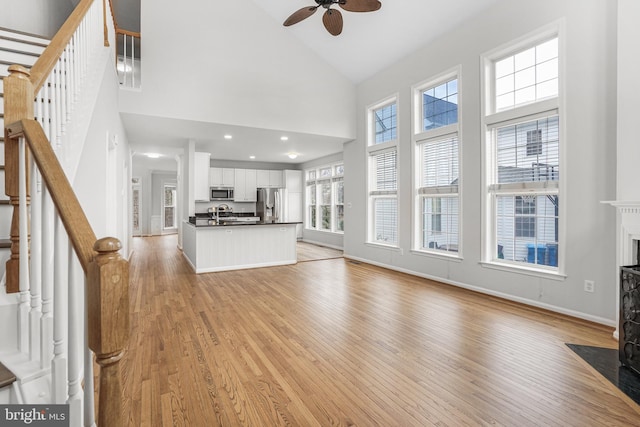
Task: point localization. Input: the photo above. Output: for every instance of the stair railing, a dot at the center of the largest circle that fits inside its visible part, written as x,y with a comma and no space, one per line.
42,266
127,45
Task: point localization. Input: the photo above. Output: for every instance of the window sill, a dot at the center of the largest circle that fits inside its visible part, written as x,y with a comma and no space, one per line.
339,233
383,246
529,271
448,256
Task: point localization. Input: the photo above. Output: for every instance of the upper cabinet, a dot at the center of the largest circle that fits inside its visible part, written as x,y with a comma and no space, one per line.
246,185
222,177
201,168
269,178
293,181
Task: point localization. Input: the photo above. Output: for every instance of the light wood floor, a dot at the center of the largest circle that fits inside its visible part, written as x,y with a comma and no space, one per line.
310,252
338,343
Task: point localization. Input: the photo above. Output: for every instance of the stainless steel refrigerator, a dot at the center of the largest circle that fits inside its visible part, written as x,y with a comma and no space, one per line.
270,205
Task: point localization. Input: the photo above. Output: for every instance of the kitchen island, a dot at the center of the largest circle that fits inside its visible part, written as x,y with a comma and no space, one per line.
210,248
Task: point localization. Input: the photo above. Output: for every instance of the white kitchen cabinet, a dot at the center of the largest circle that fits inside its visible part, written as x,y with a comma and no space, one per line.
275,179
293,181
293,198
245,188
222,177
269,178
262,178
201,168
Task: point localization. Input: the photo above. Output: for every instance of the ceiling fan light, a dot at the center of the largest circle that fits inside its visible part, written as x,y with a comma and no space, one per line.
292,155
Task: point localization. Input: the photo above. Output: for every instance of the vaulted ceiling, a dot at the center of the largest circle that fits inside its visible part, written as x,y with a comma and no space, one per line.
369,43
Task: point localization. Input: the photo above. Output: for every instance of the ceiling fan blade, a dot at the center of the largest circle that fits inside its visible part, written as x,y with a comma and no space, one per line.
360,5
299,15
332,20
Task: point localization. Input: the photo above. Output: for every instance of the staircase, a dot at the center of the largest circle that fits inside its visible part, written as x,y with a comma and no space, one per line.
64,294
23,49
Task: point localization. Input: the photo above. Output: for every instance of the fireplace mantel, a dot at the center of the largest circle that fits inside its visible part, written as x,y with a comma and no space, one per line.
627,231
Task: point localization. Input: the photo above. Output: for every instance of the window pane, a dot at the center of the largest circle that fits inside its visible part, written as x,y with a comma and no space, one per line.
385,212
440,223
440,163
339,217
529,151
504,67
440,105
326,217
527,229
547,50
385,123
529,69
385,170
169,218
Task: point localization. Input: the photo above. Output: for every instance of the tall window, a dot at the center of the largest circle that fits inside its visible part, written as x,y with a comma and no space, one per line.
383,173
325,198
169,202
523,154
338,193
438,170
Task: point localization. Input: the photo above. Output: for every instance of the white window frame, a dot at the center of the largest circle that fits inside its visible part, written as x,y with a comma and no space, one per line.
421,137
491,121
314,185
372,150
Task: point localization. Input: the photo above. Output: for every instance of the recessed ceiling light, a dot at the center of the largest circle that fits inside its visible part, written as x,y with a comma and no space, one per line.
227,136
284,138
153,155
252,157
292,155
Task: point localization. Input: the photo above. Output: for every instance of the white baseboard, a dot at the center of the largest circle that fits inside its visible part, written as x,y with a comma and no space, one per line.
525,301
326,245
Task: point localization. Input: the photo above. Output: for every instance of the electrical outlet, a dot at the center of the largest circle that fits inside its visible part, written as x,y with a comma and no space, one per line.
589,286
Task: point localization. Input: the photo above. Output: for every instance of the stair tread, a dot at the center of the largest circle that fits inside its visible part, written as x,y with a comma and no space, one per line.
29,42
6,376
5,243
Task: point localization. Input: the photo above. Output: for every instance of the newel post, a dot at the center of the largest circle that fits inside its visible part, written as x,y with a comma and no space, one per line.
108,322
18,105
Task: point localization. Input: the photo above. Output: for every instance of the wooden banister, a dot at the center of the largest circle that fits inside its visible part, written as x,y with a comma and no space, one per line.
43,66
128,33
107,285
71,214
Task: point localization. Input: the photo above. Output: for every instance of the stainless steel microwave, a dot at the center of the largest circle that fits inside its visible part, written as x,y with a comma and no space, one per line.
221,193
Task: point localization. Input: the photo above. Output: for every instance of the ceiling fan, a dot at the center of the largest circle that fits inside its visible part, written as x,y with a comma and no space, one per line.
332,18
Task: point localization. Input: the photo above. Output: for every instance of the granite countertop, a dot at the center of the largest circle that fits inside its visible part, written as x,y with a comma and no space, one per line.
240,224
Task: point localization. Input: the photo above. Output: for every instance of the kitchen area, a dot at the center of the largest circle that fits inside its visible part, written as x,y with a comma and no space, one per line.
244,218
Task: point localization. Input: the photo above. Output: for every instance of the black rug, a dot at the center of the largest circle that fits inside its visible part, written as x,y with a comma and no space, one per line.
605,361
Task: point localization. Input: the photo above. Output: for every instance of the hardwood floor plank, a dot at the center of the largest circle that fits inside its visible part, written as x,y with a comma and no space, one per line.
337,343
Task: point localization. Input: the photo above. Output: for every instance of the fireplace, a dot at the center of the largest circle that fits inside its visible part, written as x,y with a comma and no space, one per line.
629,328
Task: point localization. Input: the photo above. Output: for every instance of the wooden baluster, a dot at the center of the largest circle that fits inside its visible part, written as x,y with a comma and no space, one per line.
18,98
108,299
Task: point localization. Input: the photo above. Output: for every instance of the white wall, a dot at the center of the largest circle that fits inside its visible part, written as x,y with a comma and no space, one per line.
41,17
590,167
240,68
628,183
90,180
